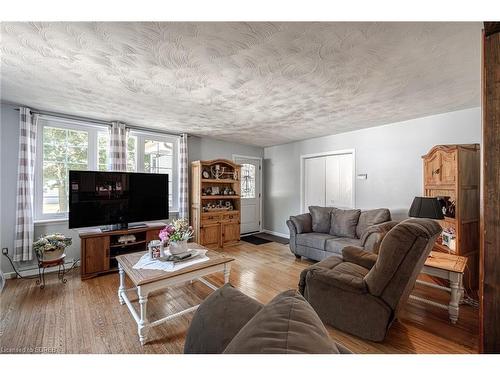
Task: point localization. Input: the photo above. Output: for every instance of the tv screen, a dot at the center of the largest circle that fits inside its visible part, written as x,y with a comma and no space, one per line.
111,198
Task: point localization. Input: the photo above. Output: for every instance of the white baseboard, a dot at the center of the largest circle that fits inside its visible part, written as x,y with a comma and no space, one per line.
278,234
34,270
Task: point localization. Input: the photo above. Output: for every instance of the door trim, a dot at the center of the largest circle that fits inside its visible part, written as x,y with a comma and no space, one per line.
303,158
235,156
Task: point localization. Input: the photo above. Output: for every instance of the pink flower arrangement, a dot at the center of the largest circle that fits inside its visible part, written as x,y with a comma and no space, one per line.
178,230
166,232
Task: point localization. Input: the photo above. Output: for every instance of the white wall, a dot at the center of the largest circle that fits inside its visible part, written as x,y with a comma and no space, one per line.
208,148
199,148
389,154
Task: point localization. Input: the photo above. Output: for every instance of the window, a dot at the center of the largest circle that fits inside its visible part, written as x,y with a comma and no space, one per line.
63,149
158,154
65,145
247,181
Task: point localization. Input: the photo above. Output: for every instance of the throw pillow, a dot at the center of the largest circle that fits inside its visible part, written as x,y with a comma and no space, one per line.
320,218
211,330
344,222
288,324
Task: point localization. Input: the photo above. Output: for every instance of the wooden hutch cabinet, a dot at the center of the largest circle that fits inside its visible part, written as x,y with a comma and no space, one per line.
453,171
215,202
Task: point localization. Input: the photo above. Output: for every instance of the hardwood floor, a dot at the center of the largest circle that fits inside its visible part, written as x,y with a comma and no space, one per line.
85,316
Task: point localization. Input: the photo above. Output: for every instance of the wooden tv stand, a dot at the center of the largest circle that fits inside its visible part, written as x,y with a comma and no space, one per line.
98,250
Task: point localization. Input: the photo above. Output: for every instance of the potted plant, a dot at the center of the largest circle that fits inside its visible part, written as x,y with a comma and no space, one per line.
51,246
176,236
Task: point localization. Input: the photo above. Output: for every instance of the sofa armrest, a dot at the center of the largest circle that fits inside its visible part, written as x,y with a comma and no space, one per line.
357,255
349,283
374,234
293,234
292,228
302,223
218,319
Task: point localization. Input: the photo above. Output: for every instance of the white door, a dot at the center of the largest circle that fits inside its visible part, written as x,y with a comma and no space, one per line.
328,181
314,182
250,194
338,178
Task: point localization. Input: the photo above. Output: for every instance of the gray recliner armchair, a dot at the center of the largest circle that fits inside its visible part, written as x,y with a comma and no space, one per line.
362,293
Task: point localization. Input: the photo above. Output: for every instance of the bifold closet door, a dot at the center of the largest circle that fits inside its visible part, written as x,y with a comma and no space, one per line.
328,181
314,182
338,180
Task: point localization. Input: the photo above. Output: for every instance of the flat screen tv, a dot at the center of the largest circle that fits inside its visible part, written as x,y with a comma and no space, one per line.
116,199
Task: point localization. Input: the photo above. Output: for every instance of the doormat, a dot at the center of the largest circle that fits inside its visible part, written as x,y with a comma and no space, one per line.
272,237
255,240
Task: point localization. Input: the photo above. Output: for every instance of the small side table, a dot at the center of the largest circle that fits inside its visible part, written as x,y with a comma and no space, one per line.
449,267
43,264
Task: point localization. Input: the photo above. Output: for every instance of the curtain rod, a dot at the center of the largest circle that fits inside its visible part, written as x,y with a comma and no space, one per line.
94,121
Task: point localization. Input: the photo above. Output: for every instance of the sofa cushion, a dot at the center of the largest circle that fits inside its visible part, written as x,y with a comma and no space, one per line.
335,245
371,217
344,222
320,218
314,240
230,309
288,324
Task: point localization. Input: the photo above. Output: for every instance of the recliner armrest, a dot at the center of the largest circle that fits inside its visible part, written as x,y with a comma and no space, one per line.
357,255
374,234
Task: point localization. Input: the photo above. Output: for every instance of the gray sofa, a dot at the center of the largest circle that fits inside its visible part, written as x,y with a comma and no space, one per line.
325,231
363,293
230,322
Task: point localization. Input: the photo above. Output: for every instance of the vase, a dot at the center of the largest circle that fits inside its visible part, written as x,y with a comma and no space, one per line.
51,255
178,247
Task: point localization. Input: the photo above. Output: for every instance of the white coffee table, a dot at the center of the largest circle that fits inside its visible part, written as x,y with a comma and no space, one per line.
148,281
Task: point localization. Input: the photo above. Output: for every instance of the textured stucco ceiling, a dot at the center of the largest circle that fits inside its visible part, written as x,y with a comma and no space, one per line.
255,83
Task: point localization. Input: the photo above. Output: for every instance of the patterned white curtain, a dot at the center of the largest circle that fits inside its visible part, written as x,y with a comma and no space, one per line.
25,185
183,177
117,147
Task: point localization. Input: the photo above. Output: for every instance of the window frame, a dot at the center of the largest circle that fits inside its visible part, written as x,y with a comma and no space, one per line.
142,136
92,158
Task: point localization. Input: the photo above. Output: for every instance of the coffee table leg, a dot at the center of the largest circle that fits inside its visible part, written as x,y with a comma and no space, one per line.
121,288
227,271
456,295
143,321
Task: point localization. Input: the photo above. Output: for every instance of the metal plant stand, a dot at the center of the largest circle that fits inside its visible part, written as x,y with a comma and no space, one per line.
43,264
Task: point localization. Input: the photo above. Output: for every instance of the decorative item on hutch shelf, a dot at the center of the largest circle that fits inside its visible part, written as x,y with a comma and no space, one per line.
447,206
448,238
218,206
176,236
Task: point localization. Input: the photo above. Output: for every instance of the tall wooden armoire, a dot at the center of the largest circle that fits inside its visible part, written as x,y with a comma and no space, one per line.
454,171
215,202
